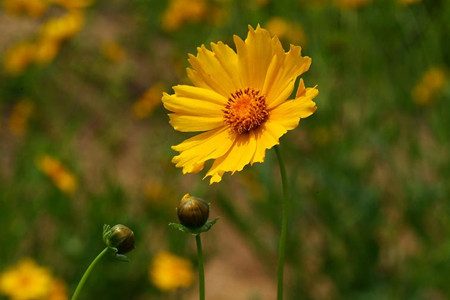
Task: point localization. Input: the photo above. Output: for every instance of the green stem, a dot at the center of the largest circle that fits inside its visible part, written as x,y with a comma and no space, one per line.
87,273
201,271
284,219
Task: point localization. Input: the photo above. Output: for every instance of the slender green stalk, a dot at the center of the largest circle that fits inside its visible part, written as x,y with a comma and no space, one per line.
87,273
284,219
201,271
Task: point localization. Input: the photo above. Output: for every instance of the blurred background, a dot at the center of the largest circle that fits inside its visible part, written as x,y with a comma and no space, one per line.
85,141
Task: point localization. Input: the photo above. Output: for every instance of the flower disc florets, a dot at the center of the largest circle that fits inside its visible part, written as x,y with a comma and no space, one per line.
245,110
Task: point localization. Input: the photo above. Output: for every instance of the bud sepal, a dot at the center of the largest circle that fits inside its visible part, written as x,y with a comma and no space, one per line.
195,231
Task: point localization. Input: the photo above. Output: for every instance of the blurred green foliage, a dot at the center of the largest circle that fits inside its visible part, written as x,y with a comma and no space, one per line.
369,170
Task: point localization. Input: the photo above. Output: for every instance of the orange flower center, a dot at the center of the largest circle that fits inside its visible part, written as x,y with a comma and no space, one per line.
245,110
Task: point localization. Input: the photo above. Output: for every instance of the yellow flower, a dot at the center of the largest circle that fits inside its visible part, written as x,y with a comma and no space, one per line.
240,101
154,190
19,57
71,4
63,27
61,177
290,31
58,291
19,117
430,86
46,50
143,107
113,51
26,281
33,8
182,11
169,272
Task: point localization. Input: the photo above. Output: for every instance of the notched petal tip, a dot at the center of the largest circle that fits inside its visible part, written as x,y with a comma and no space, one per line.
215,178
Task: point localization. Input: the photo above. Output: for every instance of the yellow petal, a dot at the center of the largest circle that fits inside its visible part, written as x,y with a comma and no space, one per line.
288,114
192,106
199,93
229,61
211,72
187,123
267,136
278,87
259,53
197,149
243,68
238,156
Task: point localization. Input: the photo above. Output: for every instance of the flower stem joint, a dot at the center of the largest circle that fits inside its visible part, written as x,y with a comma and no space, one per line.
193,214
120,239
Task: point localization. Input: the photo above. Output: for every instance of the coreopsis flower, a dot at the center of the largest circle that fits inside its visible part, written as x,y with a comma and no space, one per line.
46,50
58,290
169,272
285,30
429,86
154,190
63,27
19,57
26,281
144,106
33,8
239,102
113,51
60,176
182,11
19,117
72,4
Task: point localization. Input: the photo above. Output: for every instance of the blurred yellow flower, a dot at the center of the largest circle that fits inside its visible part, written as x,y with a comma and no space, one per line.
181,11
58,290
46,51
284,30
169,272
19,117
430,86
63,27
60,176
33,8
19,57
154,190
113,51
240,102
143,107
72,4
26,281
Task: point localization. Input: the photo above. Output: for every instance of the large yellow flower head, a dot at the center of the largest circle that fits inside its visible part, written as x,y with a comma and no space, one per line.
239,102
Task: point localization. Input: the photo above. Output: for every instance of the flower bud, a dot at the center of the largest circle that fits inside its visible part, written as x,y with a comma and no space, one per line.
193,212
122,238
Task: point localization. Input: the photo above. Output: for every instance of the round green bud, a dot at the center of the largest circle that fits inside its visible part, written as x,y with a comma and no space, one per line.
193,212
121,238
